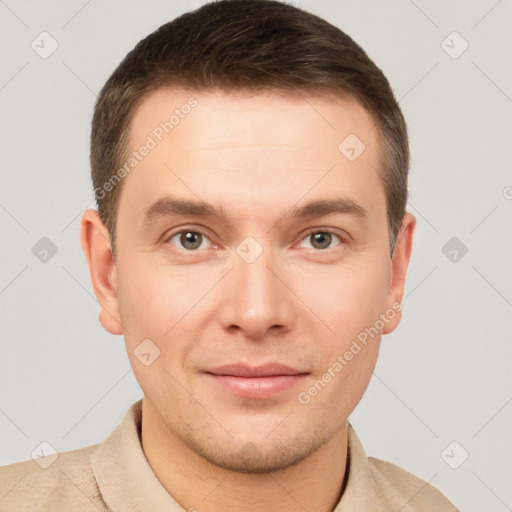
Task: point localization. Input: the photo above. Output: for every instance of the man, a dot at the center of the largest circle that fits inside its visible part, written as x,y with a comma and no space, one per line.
251,244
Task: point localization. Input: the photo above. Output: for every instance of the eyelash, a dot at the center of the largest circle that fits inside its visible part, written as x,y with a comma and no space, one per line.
342,239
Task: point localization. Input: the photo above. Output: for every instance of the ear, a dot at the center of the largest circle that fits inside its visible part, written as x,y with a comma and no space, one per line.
102,268
399,264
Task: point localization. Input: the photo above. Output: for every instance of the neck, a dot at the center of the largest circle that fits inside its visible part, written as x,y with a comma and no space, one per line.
316,483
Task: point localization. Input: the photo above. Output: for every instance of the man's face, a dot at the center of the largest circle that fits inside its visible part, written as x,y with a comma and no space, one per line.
251,304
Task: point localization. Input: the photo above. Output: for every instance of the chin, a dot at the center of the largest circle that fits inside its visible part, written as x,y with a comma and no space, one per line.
257,457
251,460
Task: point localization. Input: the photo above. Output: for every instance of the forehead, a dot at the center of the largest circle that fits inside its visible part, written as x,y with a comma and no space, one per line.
241,118
247,148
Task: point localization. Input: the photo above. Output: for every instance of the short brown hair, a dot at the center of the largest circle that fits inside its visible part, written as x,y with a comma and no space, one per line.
254,45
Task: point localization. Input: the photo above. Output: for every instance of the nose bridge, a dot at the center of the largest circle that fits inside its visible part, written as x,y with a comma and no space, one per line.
256,300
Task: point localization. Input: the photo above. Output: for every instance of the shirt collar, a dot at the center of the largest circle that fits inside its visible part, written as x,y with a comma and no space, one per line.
127,482
123,473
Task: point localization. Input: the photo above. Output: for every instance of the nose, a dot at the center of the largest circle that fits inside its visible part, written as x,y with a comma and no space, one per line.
255,299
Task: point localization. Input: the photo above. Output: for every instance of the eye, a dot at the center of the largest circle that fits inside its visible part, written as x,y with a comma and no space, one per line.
190,240
320,240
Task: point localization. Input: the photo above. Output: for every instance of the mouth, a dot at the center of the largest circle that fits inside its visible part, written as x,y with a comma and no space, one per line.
262,381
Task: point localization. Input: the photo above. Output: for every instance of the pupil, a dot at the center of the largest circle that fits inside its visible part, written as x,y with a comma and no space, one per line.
321,240
190,240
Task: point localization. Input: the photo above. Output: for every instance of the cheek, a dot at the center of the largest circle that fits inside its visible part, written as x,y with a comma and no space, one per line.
153,297
349,302
168,305
346,299
142,298
156,305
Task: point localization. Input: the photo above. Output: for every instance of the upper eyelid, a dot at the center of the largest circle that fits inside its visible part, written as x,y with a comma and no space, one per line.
171,233
326,230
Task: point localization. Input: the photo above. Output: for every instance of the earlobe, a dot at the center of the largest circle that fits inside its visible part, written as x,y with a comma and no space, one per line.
399,264
98,253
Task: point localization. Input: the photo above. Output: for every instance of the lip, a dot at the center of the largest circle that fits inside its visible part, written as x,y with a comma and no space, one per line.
262,381
263,370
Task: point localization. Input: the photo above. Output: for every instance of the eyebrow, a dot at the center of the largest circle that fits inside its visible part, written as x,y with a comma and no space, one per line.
169,206
328,206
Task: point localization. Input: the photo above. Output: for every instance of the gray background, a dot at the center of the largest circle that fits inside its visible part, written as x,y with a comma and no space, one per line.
444,375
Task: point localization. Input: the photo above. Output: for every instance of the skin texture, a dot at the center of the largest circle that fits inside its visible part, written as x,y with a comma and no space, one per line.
258,157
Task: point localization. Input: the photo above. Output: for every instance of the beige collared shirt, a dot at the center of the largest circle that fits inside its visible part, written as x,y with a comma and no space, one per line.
116,476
